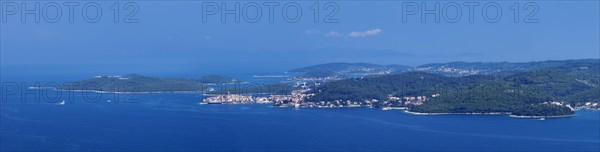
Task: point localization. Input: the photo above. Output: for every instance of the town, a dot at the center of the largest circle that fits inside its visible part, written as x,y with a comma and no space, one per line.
297,99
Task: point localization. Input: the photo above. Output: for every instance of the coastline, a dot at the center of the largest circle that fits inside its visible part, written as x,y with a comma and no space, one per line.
474,113
537,117
490,113
117,92
385,108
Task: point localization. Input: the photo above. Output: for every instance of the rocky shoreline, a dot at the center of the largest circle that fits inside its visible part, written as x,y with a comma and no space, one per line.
475,113
538,117
490,113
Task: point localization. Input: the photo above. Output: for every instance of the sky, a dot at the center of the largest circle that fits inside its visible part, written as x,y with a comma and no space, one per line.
189,38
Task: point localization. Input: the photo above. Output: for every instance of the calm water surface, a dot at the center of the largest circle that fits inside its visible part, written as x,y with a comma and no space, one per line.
177,122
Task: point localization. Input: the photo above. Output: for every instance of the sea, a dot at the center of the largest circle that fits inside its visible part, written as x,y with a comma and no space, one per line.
48,120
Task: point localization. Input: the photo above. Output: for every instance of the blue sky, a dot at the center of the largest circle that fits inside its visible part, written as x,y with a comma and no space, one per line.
172,39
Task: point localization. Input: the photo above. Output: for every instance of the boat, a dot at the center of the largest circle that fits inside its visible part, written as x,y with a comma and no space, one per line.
542,118
62,103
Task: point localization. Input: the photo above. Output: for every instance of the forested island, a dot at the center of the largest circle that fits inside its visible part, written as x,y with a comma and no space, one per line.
210,84
544,89
133,83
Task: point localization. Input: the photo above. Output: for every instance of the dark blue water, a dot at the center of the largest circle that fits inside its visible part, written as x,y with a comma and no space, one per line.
176,122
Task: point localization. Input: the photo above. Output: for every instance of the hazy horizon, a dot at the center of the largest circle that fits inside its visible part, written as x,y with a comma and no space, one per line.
169,38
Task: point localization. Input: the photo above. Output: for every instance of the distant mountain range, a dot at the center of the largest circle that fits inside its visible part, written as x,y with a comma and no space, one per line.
343,70
350,70
471,68
448,69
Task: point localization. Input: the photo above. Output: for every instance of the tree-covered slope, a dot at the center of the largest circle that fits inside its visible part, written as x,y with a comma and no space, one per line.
134,83
349,69
522,93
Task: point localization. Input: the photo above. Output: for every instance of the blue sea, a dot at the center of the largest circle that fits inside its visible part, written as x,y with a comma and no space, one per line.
177,122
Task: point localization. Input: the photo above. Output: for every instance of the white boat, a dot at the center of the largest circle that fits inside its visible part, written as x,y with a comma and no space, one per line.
542,118
62,103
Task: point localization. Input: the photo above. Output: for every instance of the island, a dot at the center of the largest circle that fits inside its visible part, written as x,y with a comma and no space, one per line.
544,89
522,90
134,83
346,70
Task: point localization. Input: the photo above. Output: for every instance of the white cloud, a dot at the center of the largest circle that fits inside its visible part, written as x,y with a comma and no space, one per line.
365,33
334,33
